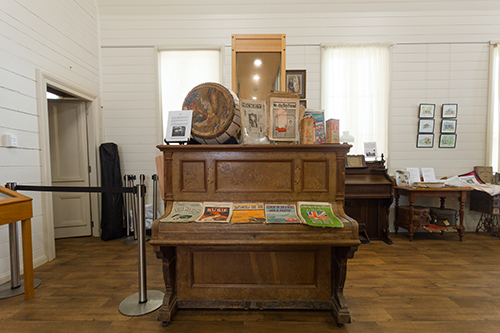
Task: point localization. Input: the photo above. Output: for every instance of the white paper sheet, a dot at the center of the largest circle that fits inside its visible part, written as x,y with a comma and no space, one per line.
414,175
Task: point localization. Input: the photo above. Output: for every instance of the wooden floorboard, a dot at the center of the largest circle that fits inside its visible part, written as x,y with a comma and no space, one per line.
433,284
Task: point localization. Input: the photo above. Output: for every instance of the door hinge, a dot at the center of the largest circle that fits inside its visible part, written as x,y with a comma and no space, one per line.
90,169
92,224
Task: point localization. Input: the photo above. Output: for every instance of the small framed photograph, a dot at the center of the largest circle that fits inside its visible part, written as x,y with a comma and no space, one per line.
426,125
296,82
448,141
425,140
370,150
449,111
426,110
303,102
449,126
179,126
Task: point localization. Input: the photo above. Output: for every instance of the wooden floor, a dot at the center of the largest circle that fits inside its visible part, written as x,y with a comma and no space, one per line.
433,284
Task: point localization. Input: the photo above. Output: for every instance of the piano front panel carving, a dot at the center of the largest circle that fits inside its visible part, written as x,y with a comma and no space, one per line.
254,176
269,273
315,175
281,176
193,176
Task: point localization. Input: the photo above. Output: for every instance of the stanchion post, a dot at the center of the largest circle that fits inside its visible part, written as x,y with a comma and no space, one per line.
131,203
126,204
141,232
16,284
134,206
155,196
144,301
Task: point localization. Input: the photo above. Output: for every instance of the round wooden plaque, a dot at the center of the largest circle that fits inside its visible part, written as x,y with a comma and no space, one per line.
216,113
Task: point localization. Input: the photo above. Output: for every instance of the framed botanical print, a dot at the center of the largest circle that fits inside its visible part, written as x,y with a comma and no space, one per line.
449,111
449,126
425,140
426,125
426,110
448,141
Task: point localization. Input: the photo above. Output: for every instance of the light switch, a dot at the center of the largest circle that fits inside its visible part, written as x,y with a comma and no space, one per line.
10,140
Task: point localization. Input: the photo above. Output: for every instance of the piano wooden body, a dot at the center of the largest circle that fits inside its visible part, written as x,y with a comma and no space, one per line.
254,266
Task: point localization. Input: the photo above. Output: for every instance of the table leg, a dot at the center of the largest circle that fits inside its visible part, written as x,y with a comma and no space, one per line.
411,229
29,285
461,229
396,205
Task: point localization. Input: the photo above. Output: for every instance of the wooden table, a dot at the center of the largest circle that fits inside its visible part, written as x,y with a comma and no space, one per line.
445,192
17,207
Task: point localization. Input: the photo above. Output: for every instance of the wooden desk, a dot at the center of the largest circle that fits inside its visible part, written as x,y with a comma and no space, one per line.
368,197
17,207
254,266
445,192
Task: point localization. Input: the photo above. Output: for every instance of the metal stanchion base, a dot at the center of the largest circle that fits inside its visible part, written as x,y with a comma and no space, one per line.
130,306
130,240
6,290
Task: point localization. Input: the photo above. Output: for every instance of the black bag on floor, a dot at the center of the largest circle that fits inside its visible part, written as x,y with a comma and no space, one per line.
112,218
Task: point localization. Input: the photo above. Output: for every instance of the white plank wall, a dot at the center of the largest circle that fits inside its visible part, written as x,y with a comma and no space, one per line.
446,61
130,109
60,38
439,74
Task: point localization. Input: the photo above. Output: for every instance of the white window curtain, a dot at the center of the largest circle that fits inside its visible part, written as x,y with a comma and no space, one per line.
181,71
492,142
355,90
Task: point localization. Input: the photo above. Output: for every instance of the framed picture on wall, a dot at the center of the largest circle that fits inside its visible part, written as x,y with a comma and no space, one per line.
426,110
296,82
449,111
448,126
447,141
303,102
425,140
426,125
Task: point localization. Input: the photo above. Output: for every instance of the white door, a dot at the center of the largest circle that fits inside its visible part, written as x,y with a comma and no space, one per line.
70,167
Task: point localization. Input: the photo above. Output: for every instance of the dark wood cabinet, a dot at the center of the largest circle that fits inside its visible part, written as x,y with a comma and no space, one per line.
368,197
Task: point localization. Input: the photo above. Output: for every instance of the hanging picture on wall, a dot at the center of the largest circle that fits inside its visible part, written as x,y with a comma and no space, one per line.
425,140
426,110
296,82
448,126
426,126
448,141
449,111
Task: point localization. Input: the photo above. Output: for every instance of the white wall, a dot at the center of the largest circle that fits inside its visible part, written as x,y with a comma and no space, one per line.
440,55
59,38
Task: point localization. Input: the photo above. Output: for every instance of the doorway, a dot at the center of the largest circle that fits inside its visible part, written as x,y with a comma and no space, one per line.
69,164
90,100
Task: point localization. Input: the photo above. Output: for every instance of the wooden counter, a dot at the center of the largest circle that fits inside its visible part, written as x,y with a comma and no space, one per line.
17,207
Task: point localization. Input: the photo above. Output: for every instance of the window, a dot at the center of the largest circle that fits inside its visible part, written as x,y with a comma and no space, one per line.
181,71
494,117
355,90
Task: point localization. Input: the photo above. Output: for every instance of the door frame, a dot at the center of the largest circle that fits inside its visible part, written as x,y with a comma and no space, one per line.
93,109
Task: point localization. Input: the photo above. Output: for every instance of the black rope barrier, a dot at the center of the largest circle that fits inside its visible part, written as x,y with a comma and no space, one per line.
84,189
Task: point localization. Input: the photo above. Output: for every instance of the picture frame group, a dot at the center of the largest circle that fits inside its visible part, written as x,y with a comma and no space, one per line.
448,136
